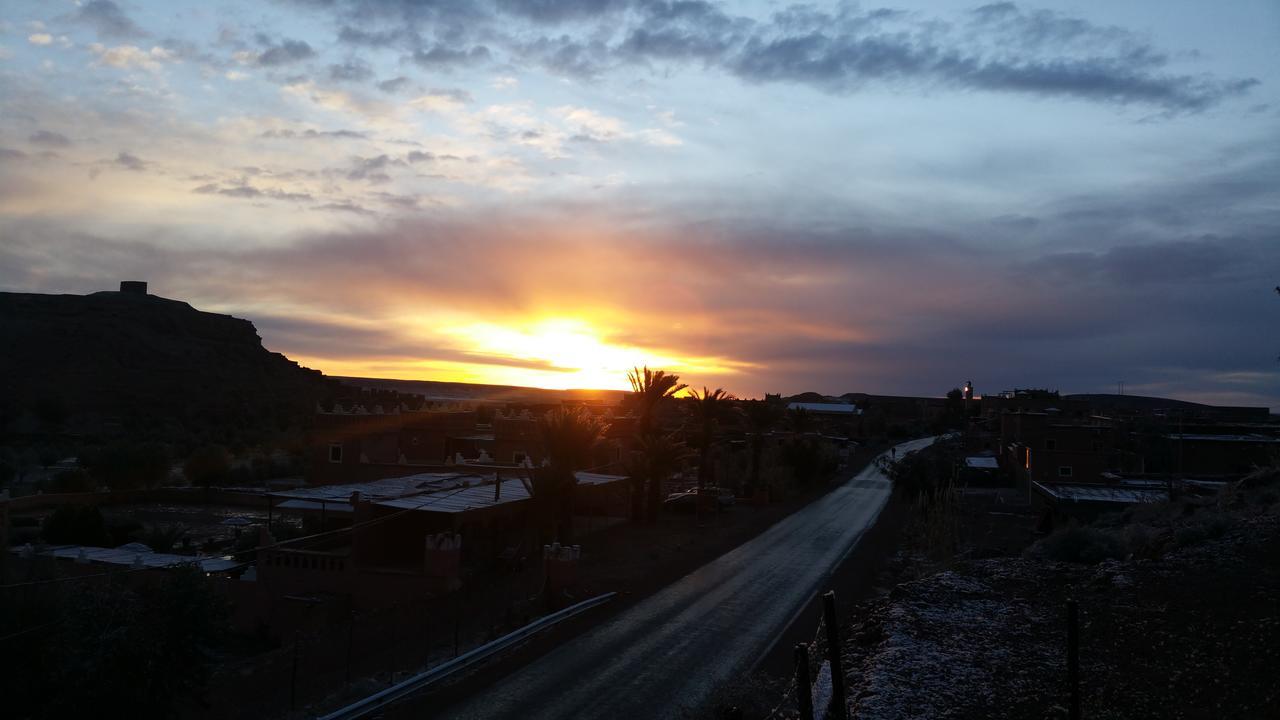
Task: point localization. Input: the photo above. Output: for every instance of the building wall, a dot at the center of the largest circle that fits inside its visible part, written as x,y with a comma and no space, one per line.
385,440
516,434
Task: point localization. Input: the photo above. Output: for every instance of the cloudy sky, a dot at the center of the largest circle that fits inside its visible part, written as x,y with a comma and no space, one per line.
760,196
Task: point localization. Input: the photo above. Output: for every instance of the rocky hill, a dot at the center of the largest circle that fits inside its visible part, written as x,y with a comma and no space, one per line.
114,361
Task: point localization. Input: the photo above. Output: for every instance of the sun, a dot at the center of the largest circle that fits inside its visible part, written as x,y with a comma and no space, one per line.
557,352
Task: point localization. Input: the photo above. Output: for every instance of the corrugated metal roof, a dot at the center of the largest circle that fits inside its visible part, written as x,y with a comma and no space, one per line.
428,492
588,478
385,489
982,463
337,506
461,500
481,496
1102,493
1200,437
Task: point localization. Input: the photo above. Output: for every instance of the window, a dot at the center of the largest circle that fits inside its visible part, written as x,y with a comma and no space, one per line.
1050,444
335,453
1064,471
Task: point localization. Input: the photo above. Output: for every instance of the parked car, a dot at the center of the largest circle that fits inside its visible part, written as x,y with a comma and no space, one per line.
686,501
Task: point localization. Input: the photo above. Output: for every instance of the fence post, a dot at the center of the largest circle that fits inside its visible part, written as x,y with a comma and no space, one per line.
1073,657
457,620
293,675
838,710
351,640
804,692
426,633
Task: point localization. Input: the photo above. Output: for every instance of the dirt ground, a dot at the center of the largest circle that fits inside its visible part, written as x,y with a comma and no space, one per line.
1186,627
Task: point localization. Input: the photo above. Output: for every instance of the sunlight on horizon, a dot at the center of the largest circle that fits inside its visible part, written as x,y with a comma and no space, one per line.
552,353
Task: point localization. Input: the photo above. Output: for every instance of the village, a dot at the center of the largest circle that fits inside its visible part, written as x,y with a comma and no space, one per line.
421,530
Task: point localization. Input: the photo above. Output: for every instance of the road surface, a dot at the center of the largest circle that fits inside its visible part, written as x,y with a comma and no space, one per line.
676,646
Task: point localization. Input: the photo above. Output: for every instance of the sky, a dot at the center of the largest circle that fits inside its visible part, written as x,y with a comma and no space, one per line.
760,196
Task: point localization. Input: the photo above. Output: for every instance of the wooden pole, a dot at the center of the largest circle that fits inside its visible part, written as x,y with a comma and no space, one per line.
838,710
804,692
1073,657
293,675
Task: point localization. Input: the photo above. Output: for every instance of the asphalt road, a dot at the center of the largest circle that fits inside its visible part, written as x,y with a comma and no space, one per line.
676,646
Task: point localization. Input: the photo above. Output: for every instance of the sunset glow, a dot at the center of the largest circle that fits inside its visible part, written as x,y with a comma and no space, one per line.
831,197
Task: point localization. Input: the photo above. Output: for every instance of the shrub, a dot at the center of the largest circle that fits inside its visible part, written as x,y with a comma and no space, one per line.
72,481
75,525
208,465
1205,527
1083,545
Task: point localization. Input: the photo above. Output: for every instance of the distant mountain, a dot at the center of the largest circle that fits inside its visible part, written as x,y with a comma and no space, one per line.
132,361
469,392
1104,402
807,397
1133,402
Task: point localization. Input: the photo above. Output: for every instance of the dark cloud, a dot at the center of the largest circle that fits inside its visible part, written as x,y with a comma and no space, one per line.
287,51
350,71
417,156
455,94
129,161
108,20
49,139
372,169
557,11
1183,262
11,154
568,56
250,192
443,57
404,202
393,85
1001,47
346,207
837,56
376,38
312,134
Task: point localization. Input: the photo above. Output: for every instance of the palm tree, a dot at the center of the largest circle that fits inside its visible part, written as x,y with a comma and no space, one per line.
568,435
649,390
657,457
708,408
761,417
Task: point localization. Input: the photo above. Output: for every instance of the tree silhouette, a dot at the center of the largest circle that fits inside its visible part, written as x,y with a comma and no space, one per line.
568,435
657,457
799,420
650,389
761,417
708,409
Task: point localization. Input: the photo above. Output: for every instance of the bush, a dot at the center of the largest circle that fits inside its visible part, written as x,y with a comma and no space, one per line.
162,538
119,650
72,481
209,465
1085,545
75,525
128,466
1205,527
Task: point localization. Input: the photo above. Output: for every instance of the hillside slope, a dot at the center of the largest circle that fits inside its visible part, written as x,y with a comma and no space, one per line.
136,361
